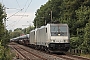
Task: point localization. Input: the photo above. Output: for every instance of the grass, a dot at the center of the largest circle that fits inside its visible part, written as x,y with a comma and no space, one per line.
85,55
5,53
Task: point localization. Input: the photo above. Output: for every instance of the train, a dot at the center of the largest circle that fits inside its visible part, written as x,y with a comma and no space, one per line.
24,39
50,38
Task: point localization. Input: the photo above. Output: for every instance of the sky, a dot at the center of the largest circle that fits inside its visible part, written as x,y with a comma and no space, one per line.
21,13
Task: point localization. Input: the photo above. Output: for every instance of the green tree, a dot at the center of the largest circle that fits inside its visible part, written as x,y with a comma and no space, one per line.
19,31
2,16
86,43
75,42
4,36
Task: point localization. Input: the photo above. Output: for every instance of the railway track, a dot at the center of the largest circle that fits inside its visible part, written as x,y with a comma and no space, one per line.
71,57
26,55
30,54
78,57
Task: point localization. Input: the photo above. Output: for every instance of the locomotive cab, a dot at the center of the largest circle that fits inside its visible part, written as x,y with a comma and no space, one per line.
58,37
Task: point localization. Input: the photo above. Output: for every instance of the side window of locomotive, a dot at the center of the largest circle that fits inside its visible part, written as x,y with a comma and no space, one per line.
34,32
46,30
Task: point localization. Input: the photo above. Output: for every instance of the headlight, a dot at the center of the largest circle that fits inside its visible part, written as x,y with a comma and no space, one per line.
52,40
58,34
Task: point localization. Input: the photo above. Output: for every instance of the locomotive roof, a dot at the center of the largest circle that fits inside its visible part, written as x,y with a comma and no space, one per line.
57,24
24,36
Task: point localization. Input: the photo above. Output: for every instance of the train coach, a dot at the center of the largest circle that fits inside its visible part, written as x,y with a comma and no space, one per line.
51,38
24,39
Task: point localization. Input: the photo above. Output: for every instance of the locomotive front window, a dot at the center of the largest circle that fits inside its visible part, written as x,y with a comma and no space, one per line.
58,30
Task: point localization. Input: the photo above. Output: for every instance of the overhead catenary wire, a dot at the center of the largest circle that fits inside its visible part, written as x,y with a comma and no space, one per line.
25,11
18,4
14,13
19,11
28,5
14,8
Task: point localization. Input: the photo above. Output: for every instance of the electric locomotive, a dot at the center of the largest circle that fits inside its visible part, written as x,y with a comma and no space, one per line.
59,37
52,37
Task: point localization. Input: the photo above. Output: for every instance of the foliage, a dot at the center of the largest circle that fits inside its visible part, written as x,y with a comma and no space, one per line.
1,22
4,36
19,31
27,30
16,33
5,53
86,43
75,42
